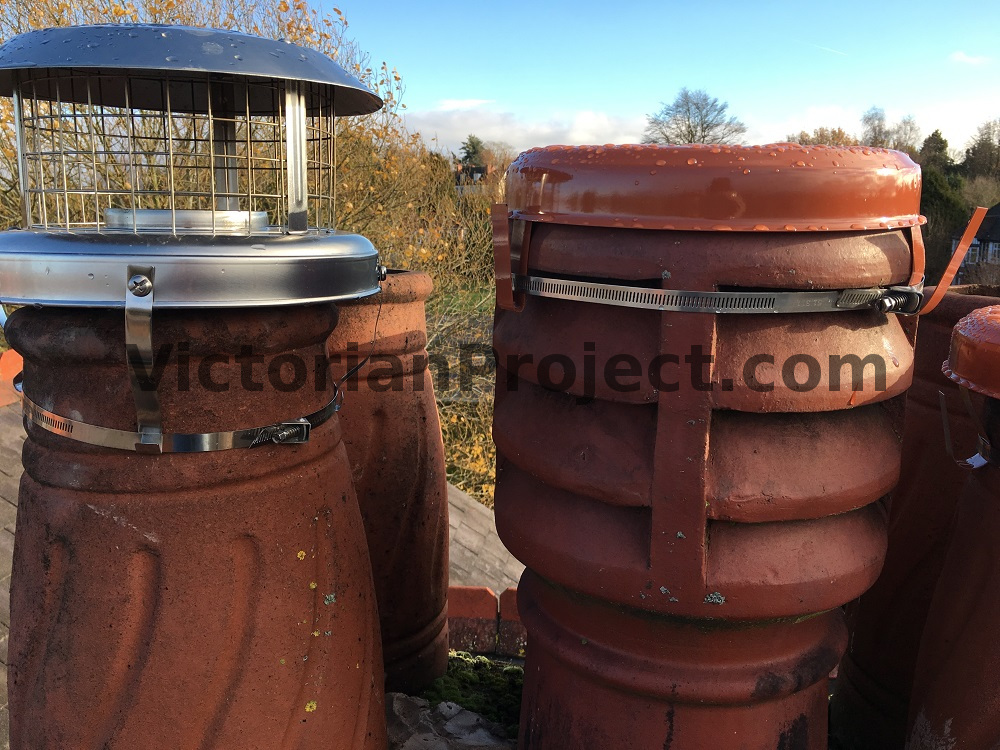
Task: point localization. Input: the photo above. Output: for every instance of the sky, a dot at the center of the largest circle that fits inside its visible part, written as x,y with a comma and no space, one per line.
585,72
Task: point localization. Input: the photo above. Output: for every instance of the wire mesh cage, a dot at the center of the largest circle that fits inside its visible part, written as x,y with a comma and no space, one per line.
114,153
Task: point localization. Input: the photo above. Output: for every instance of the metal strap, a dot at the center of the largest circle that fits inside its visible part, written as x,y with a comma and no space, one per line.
139,354
671,300
292,432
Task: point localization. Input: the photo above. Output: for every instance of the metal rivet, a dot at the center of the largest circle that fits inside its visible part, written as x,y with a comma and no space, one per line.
140,285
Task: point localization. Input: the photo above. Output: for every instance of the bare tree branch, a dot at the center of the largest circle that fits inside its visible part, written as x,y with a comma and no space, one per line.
694,117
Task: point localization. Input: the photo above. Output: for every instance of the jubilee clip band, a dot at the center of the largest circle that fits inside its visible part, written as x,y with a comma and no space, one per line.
292,432
899,299
513,285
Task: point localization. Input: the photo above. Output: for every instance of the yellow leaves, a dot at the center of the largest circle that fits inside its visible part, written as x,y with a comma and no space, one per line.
470,453
283,6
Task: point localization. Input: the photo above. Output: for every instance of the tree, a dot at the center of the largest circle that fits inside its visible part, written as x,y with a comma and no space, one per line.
982,157
473,152
824,137
946,214
874,131
498,155
693,117
981,191
933,153
904,135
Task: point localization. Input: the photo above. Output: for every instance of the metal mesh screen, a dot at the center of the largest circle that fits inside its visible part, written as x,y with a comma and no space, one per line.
202,155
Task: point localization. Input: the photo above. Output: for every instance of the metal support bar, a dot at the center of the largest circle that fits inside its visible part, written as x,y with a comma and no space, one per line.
22,172
295,157
226,173
224,144
139,354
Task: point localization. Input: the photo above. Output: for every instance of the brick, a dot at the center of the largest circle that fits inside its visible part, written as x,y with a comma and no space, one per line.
472,601
512,638
472,619
508,605
477,636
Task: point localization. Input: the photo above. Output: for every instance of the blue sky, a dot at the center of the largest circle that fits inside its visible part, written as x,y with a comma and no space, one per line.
552,71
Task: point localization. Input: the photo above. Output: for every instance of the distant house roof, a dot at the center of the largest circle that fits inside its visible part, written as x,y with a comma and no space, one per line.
990,229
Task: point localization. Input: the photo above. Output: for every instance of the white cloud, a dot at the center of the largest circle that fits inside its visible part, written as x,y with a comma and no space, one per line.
447,105
444,130
962,57
767,130
956,117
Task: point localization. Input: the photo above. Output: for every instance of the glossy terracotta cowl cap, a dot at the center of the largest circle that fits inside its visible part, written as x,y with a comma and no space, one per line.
778,187
974,361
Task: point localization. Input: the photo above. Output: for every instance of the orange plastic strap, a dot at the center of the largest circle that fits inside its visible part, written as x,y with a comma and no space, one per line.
919,256
956,260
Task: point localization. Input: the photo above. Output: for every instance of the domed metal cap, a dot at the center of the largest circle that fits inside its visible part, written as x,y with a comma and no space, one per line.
175,53
780,187
974,360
